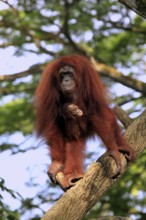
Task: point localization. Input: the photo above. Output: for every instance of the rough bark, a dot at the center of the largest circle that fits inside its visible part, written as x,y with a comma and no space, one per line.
76,202
113,218
139,6
122,116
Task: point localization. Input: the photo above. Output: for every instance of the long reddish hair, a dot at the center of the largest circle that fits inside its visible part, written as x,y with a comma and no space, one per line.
90,87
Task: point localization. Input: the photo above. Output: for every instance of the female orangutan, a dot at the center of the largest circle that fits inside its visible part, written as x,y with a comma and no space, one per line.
71,107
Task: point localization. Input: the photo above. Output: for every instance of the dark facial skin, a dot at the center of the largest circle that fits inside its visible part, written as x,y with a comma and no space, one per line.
67,80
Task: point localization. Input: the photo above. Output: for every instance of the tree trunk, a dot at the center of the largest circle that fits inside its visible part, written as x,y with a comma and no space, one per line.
76,202
113,218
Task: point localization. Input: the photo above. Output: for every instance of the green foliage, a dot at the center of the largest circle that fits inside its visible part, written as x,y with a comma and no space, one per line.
105,30
20,113
5,212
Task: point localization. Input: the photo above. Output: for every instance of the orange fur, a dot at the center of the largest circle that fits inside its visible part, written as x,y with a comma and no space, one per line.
66,136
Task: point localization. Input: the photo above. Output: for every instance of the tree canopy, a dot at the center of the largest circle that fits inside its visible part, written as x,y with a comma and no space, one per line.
113,37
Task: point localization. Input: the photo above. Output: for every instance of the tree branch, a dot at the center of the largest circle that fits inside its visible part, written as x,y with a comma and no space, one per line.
7,3
122,100
139,6
76,202
65,28
103,69
108,71
33,70
122,116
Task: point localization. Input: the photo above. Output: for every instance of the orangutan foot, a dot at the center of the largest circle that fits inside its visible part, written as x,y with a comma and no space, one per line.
55,168
69,180
128,152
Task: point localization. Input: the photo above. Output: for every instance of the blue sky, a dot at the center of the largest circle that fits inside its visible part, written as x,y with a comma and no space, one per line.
18,169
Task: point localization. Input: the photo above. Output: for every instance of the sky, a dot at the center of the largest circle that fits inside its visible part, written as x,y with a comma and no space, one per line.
15,166
16,170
